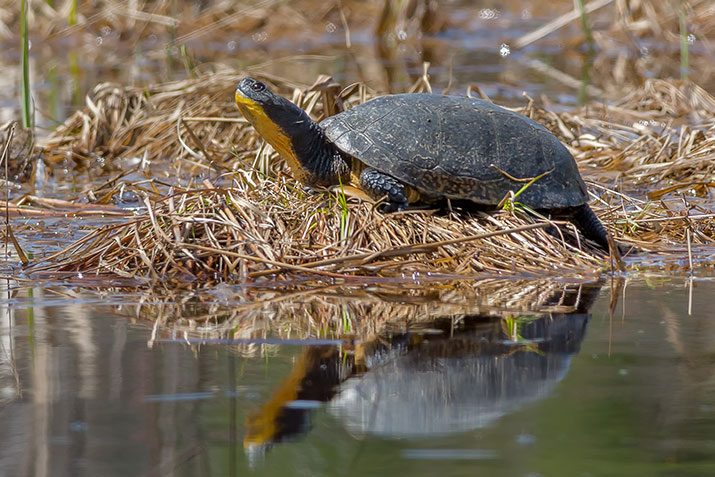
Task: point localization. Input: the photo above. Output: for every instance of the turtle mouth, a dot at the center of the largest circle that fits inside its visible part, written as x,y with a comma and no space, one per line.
241,98
250,109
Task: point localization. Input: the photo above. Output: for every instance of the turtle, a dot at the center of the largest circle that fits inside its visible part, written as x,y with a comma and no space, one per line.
424,147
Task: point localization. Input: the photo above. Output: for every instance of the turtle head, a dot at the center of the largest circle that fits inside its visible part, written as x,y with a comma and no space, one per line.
277,120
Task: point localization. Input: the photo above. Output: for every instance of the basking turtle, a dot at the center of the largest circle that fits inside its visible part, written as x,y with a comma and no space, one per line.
424,147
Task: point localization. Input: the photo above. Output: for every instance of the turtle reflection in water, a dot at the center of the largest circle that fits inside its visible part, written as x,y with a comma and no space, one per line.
420,384
425,147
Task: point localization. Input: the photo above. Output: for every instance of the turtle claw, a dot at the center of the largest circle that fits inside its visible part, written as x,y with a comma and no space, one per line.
389,207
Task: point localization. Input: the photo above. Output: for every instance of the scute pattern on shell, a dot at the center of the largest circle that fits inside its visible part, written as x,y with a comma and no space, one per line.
459,147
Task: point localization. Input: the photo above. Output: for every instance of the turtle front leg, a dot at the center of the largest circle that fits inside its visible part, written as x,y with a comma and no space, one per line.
378,185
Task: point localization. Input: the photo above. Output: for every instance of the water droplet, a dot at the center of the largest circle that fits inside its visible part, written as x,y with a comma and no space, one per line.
488,14
402,35
259,36
105,30
99,41
330,27
231,46
691,38
504,50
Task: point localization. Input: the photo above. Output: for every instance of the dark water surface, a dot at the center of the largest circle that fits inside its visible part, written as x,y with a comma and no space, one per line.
87,390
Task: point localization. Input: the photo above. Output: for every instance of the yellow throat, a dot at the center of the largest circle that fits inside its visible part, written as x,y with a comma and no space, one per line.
271,132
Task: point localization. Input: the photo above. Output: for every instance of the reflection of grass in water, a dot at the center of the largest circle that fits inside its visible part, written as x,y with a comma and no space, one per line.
513,327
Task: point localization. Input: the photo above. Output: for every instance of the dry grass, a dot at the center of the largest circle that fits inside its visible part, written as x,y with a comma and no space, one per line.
662,135
253,221
243,234
143,123
17,145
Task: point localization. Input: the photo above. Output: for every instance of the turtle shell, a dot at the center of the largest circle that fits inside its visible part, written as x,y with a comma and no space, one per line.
459,148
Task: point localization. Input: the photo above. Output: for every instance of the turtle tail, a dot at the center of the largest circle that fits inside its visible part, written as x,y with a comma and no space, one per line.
588,223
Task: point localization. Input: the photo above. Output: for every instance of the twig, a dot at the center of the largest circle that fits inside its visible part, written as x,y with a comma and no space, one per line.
558,23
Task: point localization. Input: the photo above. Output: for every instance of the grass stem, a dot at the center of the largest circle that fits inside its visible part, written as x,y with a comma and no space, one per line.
684,49
25,93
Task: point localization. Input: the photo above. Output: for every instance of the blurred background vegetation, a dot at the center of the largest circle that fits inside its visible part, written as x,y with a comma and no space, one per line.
504,47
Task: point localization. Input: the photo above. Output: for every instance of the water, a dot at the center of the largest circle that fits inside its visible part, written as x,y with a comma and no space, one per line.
495,378
88,390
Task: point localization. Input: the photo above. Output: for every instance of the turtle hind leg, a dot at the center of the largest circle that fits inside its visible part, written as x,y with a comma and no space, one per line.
587,222
378,185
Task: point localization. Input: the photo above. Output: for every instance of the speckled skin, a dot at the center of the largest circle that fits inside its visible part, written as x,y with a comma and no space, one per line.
378,185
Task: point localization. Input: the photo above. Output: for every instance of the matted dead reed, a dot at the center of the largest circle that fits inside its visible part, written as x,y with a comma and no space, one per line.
661,135
256,221
120,122
241,234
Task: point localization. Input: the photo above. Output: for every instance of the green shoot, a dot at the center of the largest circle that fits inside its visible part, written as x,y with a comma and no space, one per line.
189,63
510,203
578,5
25,94
347,322
344,214
684,49
72,17
73,62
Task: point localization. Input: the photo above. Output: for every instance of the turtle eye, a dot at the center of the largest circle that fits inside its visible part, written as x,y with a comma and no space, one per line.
258,86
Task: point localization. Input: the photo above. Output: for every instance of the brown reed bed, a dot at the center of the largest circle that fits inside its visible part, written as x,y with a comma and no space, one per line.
661,135
253,221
